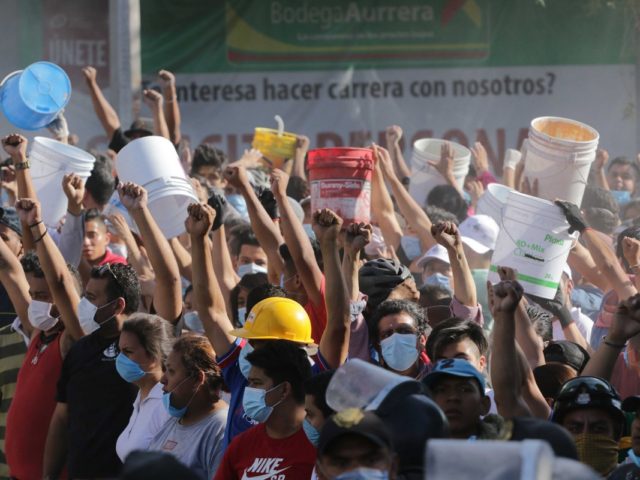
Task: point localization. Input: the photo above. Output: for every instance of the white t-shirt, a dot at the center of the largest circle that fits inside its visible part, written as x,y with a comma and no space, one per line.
583,323
146,421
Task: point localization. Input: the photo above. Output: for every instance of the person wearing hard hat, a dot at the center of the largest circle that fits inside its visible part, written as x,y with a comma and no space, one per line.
273,318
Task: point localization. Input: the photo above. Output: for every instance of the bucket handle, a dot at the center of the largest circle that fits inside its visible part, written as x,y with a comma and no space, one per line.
573,159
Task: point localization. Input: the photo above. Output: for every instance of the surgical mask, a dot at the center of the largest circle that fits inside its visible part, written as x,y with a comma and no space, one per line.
193,323
312,433
634,458
438,279
250,268
119,249
174,411
467,197
621,196
243,363
255,403
399,351
40,315
128,369
363,473
282,279
308,229
237,202
87,313
242,315
600,452
411,246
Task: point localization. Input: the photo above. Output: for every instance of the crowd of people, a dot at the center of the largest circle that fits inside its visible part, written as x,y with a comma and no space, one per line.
213,355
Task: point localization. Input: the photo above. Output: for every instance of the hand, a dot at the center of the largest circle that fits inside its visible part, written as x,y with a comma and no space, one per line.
556,306
237,177
221,210
132,196
626,321
302,142
16,146
602,157
268,201
445,166
577,223
201,192
152,99
631,251
167,79
384,161
447,235
90,74
475,189
356,236
59,127
73,188
480,158
279,182
9,182
326,225
507,296
119,226
200,219
530,188
250,159
393,134
28,211
507,274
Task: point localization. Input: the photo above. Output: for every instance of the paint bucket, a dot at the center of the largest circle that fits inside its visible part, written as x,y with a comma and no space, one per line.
275,147
534,240
559,153
424,177
152,162
340,180
32,98
50,161
493,201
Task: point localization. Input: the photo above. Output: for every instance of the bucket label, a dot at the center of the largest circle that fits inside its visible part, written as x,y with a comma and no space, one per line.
349,198
553,240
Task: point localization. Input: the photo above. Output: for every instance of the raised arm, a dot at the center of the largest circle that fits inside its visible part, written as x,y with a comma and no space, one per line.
206,291
61,283
382,206
411,211
72,233
393,135
445,166
183,258
580,261
171,105
356,237
302,147
602,157
297,240
223,266
15,283
334,344
155,102
167,299
105,112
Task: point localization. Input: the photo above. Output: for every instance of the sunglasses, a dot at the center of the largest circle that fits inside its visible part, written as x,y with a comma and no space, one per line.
588,385
107,268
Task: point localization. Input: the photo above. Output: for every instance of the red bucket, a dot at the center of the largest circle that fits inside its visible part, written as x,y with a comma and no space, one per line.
341,180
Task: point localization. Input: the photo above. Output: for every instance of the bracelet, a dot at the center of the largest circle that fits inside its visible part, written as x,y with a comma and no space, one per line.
35,224
22,165
41,236
613,345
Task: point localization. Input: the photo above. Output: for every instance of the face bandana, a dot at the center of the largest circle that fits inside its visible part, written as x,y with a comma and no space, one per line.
600,452
399,351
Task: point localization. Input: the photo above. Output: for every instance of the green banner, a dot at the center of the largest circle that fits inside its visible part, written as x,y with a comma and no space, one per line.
192,36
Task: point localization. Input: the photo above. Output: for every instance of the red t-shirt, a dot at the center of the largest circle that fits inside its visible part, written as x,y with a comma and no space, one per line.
318,314
112,258
253,454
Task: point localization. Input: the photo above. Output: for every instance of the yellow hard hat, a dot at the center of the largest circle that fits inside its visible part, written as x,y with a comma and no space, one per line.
277,318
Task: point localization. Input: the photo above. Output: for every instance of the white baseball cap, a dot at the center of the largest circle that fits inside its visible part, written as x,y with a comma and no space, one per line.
479,233
437,252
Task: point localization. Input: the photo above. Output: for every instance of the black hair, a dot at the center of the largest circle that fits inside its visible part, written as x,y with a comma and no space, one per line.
207,155
634,203
259,293
297,188
631,232
437,214
600,209
625,161
449,199
122,281
101,184
241,235
283,361
285,253
249,281
31,264
94,215
317,386
392,307
453,330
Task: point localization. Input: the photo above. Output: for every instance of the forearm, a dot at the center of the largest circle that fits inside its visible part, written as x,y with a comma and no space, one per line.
55,450
509,177
160,123
580,261
15,282
413,214
105,112
136,259
350,263
531,394
172,113
603,361
183,258
572,334
382,205
608,264
601,179
527,338
298,164
71,237
223,266
399,165
464,288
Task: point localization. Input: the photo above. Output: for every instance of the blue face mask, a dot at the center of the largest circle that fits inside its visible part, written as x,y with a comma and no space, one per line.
193,323
129,370
312,433
308,229
363,473
411,246
621,196
255,404
633,457
242,315
438,279
250,268
243,363
174,411
399,351
237,202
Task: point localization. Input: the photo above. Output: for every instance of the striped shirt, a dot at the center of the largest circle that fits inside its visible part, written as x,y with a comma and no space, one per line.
12,352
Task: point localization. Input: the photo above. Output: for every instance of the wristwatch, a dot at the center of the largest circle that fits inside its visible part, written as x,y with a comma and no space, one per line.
23,165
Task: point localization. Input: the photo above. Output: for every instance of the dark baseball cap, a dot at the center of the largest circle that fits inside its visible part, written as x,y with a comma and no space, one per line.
454,367
142,127
354,421
631,404
9,218
568,353
379,277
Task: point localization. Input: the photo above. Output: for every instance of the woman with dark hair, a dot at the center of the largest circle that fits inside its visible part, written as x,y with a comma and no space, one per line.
192,388
145,343
240,293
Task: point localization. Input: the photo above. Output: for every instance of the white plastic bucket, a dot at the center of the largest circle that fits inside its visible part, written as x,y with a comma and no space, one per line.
50,161
559,153
424,177
534,240
493,201
152,162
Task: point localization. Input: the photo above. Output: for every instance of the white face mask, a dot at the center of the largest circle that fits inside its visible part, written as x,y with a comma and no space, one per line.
40,315
192,322
87,313
119,249
250,268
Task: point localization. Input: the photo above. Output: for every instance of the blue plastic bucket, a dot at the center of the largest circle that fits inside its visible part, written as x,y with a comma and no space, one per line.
32,98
